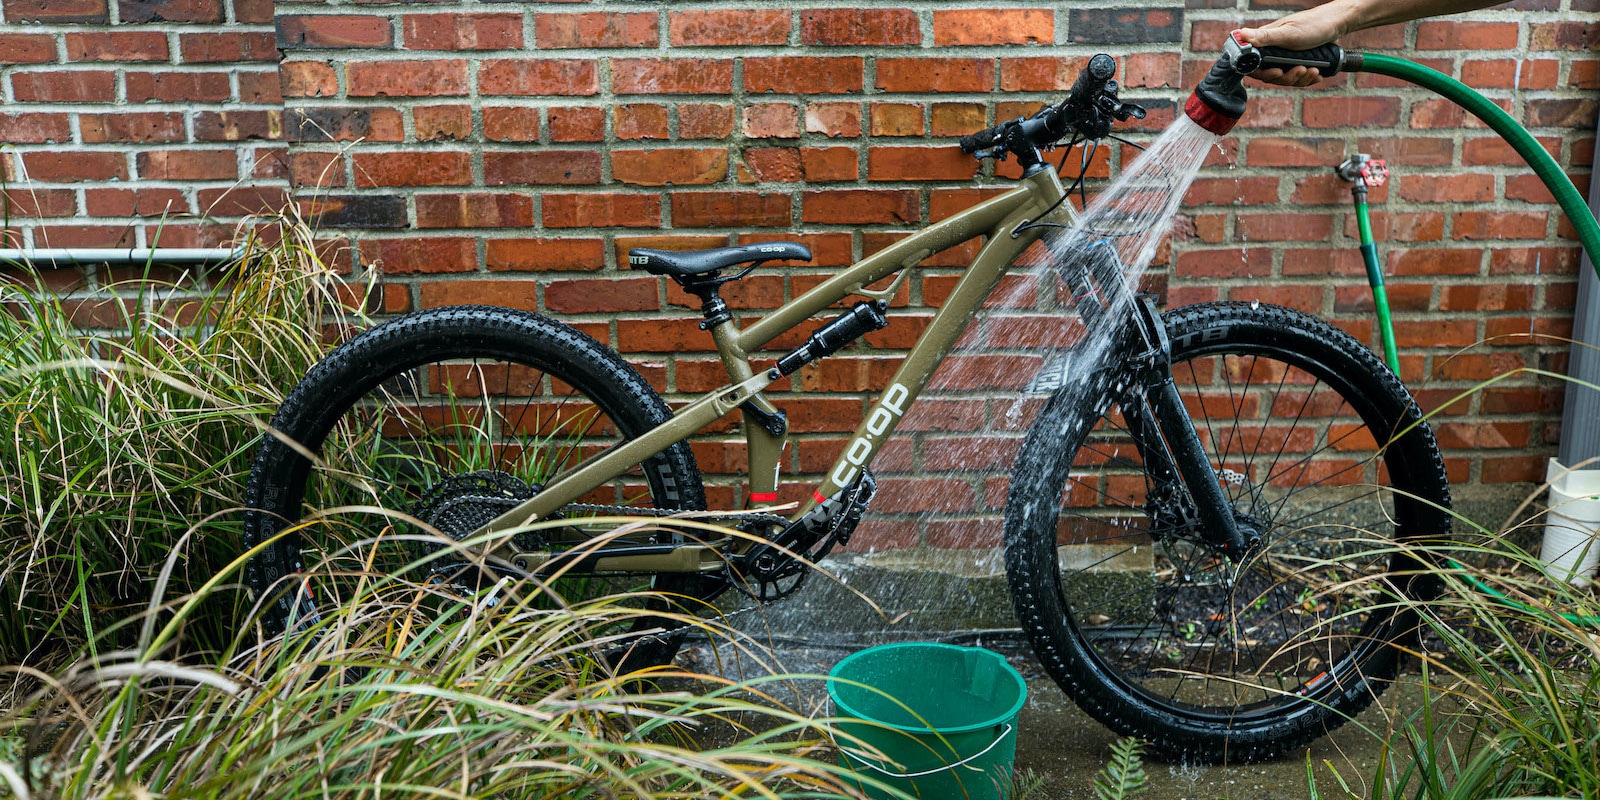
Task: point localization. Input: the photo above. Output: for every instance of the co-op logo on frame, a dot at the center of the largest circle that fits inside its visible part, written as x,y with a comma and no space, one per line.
889,409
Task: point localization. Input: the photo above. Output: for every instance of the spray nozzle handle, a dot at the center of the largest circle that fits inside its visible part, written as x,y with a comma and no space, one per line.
1246,58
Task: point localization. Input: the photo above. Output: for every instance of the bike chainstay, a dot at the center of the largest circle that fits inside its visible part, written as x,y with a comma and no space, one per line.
753,522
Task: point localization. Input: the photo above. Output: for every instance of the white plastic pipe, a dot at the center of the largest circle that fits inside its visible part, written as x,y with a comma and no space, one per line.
120,255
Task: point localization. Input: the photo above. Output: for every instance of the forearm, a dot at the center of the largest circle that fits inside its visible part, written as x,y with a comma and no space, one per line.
1356,15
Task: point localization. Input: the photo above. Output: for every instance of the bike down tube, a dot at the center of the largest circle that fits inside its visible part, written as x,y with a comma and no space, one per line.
1004,245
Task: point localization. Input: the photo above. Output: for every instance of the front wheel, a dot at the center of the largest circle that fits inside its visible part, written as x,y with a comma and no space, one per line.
1323,455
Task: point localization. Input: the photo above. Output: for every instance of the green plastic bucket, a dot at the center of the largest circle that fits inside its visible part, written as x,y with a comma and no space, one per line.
941,718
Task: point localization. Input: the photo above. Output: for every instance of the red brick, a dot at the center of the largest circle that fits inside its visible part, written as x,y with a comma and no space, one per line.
774,164
1251,191
957,119
324,31
250,12
1477,435
78,86
1457,35
728,27
474,210
421,255
177,87
219,48
56,11
562,167
601,210
895,119
462,31
771,121
661,336
518,76
432,168
860,27
752,293
671,76
1284,227
728,209
27,48
1294,152
516,124
36,128
705,121
170,11
539,255
316,169
599,296
33,202
117,46
1433,261
924,495
1495,150
823,164
1498,225
595,29
577,124
669,167
935,74
436,123
407,78
68,167
1347,112
188,165
854,206
498,292
307,79
152,126
938,163
834,119
803,75
1457,188
1412,151
989,26
1435,114
640,121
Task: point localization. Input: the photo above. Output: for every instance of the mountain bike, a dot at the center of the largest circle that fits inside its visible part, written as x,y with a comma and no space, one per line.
1199,525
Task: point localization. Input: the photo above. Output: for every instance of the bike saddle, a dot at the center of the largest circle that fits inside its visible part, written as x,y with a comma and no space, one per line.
690,263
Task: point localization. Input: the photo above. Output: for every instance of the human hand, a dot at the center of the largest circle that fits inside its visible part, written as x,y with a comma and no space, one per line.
1302,30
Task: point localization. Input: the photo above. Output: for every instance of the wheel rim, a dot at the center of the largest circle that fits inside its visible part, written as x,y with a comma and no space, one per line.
1184,628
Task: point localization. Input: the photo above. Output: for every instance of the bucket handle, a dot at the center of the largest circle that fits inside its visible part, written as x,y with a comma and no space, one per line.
963,762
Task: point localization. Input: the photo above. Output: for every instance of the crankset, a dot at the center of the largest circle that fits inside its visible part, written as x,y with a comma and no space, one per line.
776,569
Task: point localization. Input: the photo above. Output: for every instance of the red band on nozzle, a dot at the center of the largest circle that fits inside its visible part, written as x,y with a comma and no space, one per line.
1207,117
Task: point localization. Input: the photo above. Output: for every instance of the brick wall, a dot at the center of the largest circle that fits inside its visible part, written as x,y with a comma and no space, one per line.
511,153
129,121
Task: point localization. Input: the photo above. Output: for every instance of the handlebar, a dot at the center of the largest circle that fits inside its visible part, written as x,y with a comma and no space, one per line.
1089,109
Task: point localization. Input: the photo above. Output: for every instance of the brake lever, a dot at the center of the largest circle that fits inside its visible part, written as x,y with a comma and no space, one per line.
998,153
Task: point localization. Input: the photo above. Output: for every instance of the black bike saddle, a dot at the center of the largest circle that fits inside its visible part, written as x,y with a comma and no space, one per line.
688,263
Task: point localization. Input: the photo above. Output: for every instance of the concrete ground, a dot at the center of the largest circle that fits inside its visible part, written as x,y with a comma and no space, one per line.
1065,747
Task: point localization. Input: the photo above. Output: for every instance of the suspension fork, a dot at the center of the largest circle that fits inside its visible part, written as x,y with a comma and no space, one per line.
1166,437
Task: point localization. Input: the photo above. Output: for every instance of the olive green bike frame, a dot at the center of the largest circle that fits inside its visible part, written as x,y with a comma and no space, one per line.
998,219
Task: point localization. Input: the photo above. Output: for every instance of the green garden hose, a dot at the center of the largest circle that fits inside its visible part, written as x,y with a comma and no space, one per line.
1567,196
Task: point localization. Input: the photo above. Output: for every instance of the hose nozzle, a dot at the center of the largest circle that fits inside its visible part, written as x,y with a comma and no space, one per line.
1219,101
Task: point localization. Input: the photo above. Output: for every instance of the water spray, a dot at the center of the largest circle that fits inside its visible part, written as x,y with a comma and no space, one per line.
1219,101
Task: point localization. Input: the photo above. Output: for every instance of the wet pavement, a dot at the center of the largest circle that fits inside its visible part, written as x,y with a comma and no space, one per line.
1065,747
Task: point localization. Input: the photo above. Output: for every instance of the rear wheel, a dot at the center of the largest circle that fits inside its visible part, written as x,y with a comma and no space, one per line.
453,416
1323,454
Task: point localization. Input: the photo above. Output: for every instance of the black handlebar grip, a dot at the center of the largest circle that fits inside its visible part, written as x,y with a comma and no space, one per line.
1092,81
982,140
1327,59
